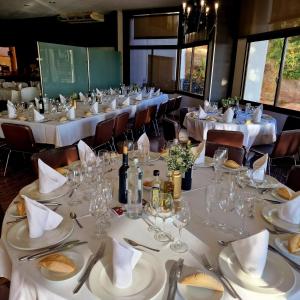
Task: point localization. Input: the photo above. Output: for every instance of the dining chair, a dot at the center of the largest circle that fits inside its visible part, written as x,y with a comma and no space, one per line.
160,115
104,134
170,129
293,181
151,116
170,106
234,153
225,137
120,128
19,138
176,106
55,158
29,93
138,125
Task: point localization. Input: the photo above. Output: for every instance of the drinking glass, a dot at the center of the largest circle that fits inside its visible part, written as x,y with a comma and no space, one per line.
220,156
74,180
164,210
241,211
181,218
258,177
97,210
210,195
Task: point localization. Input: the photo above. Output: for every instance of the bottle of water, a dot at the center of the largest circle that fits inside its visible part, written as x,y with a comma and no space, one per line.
135,190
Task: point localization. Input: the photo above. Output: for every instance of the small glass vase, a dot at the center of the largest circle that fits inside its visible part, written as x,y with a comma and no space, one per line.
176,177
186,184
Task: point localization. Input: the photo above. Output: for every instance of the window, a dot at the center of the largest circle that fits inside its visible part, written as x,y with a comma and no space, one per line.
192,69
273,72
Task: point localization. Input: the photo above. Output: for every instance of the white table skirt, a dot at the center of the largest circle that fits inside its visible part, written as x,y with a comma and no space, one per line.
27,283
254,134
67,133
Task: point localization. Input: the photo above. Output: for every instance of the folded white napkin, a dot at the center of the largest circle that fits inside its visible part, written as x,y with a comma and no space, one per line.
199,153
139,97
290,211
202,114
37,116
157,92
113,104
71,113
49,179
12,112
40,218
111,91
126,101
94,108
206,105
252,252
82,97
62,99
259,168
37,102
256,118
98,92
228,115
125,259
85,151
143,143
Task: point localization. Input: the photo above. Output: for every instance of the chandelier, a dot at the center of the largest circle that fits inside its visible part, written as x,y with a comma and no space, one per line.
198,20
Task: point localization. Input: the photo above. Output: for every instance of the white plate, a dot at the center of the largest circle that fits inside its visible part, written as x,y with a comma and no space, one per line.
12,211
56,276
270,213
207,163
282,245
269,183
32,191
18,235
149,277
198,293
277,279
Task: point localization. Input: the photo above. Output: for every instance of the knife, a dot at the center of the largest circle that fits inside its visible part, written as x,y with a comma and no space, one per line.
172,278
178,272
88,269
48,249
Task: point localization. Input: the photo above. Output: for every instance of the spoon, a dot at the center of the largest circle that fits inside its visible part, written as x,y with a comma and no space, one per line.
74,217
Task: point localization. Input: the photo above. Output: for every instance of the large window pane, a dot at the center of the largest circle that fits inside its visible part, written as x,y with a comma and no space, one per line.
185,69
262,71
139,66
198,70
289,96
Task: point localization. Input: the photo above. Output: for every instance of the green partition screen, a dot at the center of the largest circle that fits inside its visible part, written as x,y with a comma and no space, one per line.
105,68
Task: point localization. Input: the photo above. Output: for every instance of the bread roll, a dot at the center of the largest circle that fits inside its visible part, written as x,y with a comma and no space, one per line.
203,280
294,243
58,263
62,171
231,164
63,119
21,208
87,113
284,193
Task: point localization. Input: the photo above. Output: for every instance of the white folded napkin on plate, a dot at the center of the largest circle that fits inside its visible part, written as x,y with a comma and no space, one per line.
259,168
252,252
202,114
157,92
49,179
126,101
12,112
82,97
62,99
113,104
257,114
98,92
125,259
199,153
139,97
206,105
228,115
71,113
143,143
40,218
111,91
37,117
94,108
85,152
37,103
290,211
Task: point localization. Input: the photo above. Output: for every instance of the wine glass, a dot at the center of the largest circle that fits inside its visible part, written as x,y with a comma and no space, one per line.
164,210
218,160
210,192
181,218
96,209
74,180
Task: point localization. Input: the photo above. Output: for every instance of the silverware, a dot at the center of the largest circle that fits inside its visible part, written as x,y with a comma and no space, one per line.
74,217
178,273
74,190
224,280
172,279
48,249
17,220
88,269
135,244
272,201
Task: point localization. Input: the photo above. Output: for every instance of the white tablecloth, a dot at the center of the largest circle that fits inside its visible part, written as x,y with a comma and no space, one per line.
254,134
27,283
67,133
5,94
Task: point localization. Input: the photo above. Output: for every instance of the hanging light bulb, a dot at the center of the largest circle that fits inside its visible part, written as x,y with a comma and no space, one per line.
207,10
216,7
184,6
188,10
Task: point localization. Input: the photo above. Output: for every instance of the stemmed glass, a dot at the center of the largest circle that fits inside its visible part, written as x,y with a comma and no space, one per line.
97,210
164,210
181,218
209,199
74,180
241,210
220,156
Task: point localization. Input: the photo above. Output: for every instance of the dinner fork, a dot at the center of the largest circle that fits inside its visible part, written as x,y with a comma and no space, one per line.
225,281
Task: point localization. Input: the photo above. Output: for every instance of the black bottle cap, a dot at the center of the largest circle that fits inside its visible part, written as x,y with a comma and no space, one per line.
156,173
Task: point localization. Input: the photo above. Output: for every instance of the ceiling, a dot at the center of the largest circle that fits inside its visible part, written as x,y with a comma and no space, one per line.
14,9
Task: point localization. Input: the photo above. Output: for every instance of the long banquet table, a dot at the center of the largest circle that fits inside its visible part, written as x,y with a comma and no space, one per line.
254,134
28,283
66,133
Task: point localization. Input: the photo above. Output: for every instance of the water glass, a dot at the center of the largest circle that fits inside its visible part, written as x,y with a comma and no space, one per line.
210,196
74,180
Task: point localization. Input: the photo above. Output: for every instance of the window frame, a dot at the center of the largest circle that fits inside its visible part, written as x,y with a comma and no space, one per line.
267,37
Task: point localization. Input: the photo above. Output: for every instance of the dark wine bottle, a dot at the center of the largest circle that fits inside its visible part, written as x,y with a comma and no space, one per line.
123,177
41,105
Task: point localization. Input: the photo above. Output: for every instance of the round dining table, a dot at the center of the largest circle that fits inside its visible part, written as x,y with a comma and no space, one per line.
254,134
28,282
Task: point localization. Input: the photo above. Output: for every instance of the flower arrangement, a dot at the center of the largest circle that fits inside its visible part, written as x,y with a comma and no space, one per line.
180,158
227,102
